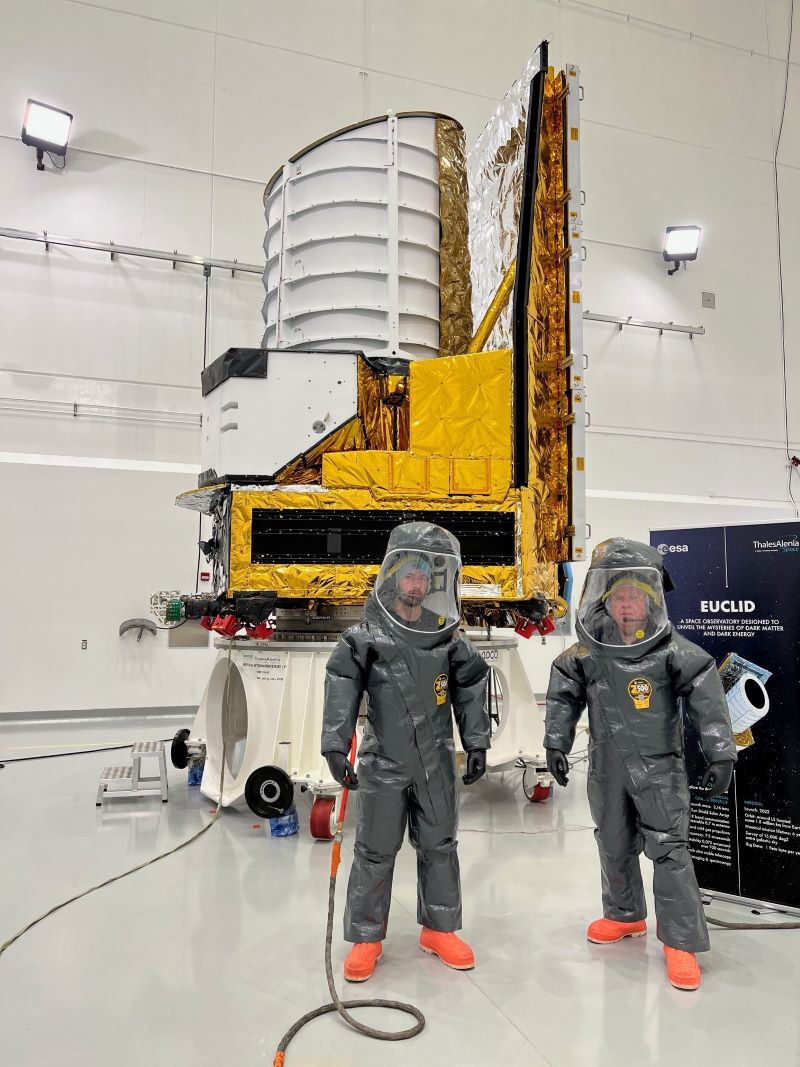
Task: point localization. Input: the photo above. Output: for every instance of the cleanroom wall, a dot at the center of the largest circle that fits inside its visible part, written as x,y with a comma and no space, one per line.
183,110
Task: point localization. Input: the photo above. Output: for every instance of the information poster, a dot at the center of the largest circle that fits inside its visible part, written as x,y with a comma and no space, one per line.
738,596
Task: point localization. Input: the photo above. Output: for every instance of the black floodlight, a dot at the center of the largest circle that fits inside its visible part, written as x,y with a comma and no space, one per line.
46,129
680,245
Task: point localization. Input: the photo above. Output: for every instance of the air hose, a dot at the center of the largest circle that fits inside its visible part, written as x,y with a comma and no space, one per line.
342,1006
752,926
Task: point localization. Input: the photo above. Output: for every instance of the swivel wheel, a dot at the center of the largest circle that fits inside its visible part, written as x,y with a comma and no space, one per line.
179,753
541,793
269,792
322,822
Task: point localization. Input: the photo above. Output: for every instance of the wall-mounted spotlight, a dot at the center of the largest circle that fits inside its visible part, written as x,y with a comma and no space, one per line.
680,245
46,129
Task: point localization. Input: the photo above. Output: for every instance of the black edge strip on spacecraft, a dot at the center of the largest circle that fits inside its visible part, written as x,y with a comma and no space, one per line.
568,340
522,279
235,363
253,363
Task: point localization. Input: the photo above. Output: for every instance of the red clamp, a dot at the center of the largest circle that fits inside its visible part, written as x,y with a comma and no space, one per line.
526,628
262,632
227,625
207,622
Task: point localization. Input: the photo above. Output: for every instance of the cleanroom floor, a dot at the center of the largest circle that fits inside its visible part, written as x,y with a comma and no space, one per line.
207,957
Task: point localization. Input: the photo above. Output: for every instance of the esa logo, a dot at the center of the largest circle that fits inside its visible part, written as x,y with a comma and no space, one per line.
664,549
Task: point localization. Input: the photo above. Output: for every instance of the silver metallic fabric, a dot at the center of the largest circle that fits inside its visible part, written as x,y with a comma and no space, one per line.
495,166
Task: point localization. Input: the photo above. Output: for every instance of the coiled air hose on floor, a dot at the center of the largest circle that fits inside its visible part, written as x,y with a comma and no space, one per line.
343,1006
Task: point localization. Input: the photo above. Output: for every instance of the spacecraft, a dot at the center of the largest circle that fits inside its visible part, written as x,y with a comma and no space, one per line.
422,360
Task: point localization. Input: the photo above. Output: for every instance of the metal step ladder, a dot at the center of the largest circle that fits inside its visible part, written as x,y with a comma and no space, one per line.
133,783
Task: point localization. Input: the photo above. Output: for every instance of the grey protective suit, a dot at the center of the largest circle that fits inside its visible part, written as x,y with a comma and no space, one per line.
638,790
416,681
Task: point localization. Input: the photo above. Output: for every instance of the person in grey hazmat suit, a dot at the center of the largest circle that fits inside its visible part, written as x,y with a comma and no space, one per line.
418,673
633,670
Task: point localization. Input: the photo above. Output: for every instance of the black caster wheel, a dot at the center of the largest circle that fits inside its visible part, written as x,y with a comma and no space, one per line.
269,792
178,753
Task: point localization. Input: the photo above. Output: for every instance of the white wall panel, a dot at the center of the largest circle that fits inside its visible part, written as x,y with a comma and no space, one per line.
330,28
36,416
386,92
93,197
777,20
200,14
178,73
695,468
79,58
239,223
790,224
97,543
236,320
477,46
741,24
177,212
137,88
271,103
726,382
636,185
676,88
75,312
789,154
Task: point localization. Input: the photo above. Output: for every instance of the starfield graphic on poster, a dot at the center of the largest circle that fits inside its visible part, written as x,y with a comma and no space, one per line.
737,595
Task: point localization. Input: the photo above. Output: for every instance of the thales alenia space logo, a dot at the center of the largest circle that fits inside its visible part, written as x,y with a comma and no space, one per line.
778,544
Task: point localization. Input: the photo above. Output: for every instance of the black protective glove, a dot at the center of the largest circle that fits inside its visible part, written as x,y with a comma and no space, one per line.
342,769
476,766
558,765
717,777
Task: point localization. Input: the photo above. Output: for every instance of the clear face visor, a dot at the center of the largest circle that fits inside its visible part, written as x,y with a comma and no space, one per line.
623,607
419,590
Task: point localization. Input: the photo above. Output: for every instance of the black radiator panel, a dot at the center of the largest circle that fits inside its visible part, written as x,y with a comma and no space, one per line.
360,537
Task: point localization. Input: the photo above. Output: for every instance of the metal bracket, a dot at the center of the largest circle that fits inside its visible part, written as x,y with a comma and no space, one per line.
662,327
138,624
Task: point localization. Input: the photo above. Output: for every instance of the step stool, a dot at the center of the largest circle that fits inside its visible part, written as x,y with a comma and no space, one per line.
133,775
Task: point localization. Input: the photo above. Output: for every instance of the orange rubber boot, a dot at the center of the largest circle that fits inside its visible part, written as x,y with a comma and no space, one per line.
361,960
448,947
682,968
607,931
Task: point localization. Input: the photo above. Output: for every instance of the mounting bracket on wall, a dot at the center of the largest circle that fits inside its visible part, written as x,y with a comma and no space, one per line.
662,327
138,624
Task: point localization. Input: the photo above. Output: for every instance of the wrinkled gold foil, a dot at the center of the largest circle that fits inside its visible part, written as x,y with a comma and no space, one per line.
455,286
548,397
382,408
307,468
745,739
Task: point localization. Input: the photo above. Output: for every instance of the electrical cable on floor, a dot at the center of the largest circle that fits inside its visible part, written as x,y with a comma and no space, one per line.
76,752
752,926
342,1006
148,863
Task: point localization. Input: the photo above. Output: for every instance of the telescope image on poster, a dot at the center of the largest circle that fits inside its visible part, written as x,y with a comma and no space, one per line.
748,701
